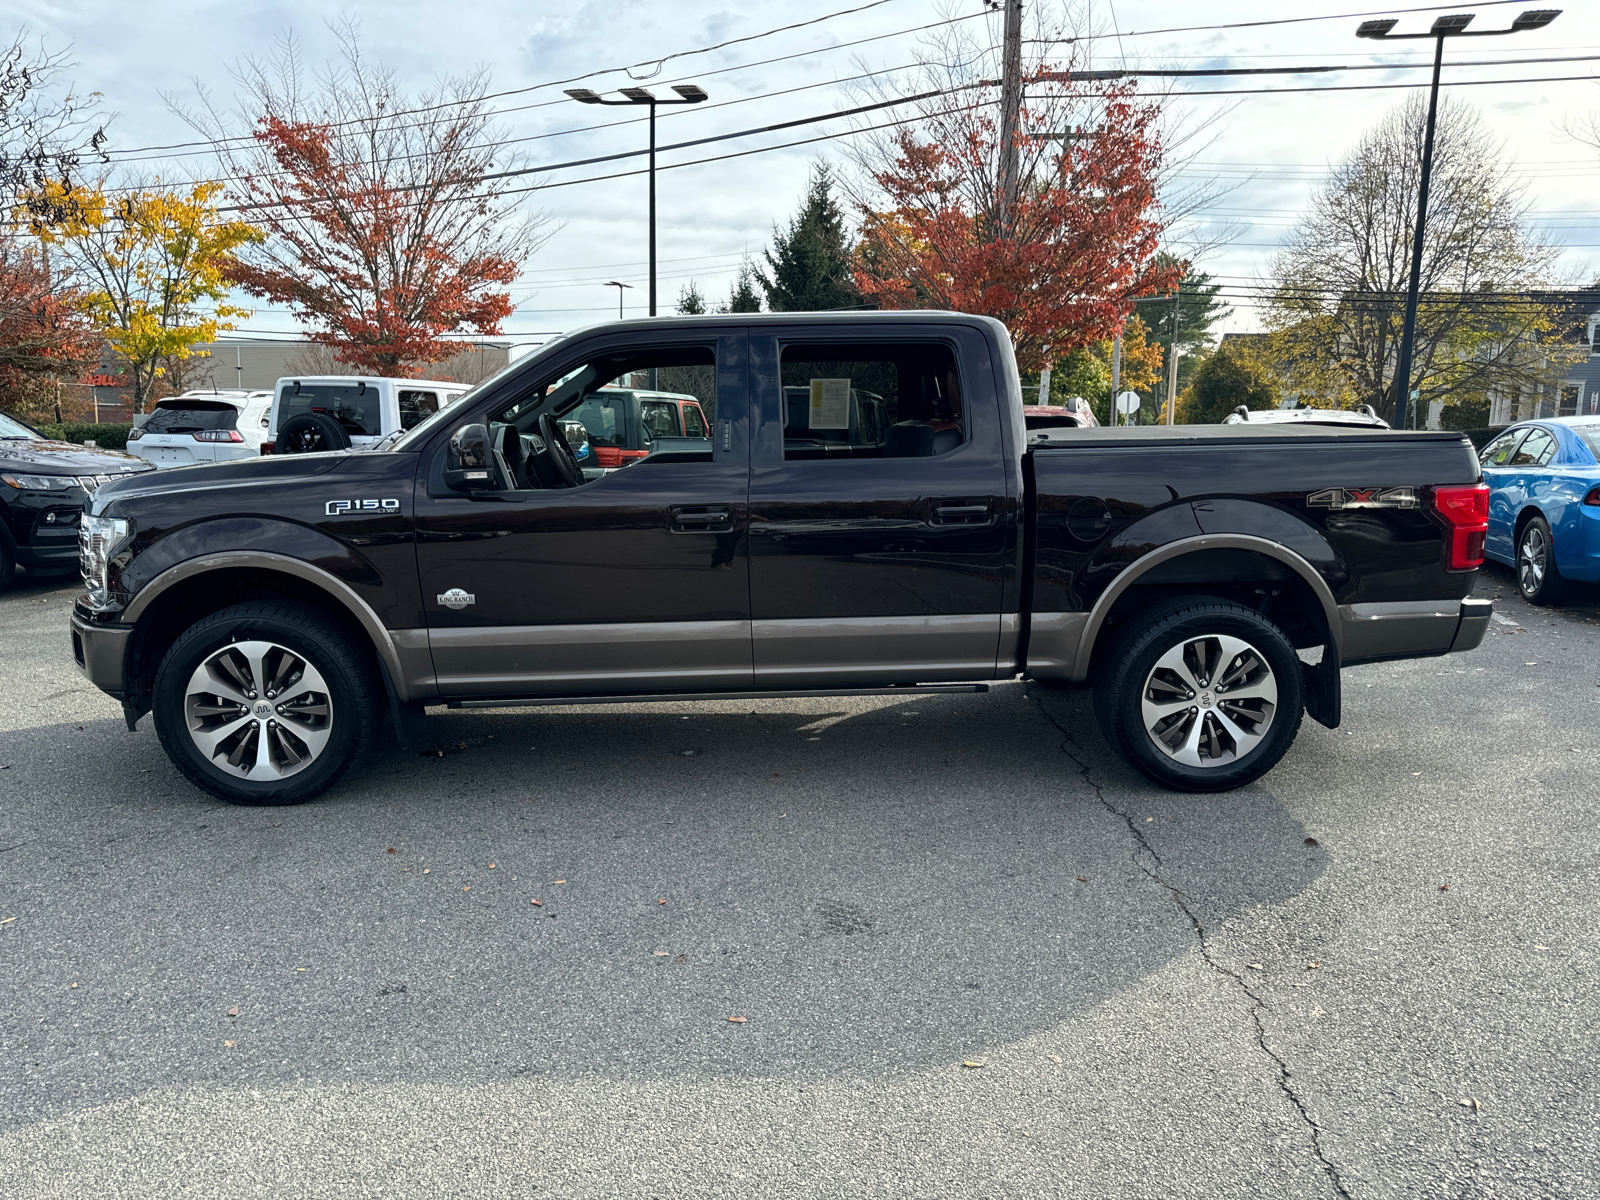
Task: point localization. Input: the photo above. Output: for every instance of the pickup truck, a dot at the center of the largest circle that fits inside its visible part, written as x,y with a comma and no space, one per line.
1208,581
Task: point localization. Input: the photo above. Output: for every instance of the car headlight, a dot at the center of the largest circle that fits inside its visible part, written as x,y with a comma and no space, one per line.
40,483
99,539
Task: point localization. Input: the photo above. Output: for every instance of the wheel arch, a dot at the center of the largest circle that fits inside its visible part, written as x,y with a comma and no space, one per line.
1132,591
190,590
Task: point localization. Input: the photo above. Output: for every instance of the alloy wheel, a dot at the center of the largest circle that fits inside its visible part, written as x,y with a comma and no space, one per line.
1532,559
258,710
1209,700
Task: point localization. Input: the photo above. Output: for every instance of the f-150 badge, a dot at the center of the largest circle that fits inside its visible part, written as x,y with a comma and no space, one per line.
336,508
457,599
1398,497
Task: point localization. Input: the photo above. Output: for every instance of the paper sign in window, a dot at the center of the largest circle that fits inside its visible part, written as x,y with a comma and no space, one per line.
830,404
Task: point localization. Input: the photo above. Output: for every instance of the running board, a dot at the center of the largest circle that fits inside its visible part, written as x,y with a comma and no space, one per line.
917,689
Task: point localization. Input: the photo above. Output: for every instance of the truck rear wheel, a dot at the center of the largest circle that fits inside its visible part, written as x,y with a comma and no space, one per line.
265,703
1202,695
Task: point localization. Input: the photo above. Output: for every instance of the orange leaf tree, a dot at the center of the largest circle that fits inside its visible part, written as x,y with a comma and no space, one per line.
1061,262
384,229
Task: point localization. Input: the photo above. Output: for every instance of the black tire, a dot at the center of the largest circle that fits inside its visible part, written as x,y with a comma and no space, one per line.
1538,578
336,672
8,567
1205,731
308,433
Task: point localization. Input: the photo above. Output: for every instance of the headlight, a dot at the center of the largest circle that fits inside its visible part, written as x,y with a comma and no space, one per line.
99,539
40,483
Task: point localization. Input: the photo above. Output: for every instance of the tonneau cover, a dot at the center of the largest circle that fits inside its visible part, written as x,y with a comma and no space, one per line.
1062,438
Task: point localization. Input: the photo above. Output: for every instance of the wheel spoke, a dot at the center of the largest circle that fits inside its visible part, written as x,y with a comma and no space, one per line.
1243,742
209,739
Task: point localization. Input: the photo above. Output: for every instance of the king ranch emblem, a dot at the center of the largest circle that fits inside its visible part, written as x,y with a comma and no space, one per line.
456,599
1397,497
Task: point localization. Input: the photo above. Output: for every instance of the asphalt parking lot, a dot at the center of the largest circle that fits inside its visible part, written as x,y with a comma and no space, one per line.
1369,975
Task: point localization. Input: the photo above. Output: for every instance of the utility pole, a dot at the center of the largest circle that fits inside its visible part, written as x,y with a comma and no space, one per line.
1172,361
1010,111
1116,376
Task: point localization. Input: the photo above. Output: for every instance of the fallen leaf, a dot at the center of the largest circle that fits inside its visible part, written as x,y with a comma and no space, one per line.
1055,1058
1255,966
536,903
1081,879
688,753
1299,985
74,985
563,880
425,870
1444,887
1310,966
1536,945
659,953
229,1044
736,1020
467,889
390,850
302,968
491,865
681,958
975,1062
7,921
1317,1012
1469,1102
663,899
234,1011
1309,841
1147,820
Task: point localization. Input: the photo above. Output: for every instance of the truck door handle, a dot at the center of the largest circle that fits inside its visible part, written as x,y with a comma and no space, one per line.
701,518
959,512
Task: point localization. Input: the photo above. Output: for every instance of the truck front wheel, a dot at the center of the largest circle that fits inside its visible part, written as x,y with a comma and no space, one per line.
1202,695
265,703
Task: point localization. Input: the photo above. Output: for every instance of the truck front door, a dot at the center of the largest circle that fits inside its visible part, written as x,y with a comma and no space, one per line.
628,580
883,529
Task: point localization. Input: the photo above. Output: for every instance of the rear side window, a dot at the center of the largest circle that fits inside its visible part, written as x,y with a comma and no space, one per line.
1497,451
660,418
355,406
870,400
1591,438
605,418
1536,450
415,406
189,416
694,424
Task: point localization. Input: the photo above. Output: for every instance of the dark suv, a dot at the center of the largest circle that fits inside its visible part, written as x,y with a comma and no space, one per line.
42,486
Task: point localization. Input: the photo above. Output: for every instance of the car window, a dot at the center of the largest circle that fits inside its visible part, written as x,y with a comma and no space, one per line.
14,429
694,424
1590,434
1536,450
355,406
850,400
416,405
660,418
189,416
1498,450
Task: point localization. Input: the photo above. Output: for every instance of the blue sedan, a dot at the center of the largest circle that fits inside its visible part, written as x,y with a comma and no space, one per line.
1544,504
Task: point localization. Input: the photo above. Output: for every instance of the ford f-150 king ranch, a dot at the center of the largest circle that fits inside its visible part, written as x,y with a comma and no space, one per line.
1209,581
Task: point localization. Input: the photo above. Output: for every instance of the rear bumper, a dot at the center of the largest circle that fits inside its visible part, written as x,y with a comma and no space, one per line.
101,652
1412,628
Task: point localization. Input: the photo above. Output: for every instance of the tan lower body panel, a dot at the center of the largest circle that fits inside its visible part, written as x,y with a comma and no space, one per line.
844,651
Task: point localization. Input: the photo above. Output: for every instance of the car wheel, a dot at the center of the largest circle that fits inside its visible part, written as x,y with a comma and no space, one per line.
8,567
310,433
1201,695
265,703
1537,577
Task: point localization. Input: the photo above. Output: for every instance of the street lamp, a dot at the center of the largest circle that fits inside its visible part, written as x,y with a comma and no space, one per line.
619,287
688,93
1444,27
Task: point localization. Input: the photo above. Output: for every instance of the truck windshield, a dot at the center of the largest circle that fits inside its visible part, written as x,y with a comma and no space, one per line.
353,405
189,416
13,429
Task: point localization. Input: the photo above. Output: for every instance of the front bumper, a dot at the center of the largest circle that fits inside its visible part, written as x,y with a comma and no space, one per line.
1412,629
101,652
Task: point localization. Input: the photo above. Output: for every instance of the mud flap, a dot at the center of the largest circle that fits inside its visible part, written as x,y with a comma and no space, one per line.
410,720
1322,688
132,710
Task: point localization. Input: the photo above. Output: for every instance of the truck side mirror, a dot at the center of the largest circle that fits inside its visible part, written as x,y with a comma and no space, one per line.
468,463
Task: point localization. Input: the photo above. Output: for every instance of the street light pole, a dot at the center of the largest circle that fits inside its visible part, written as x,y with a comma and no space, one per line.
688,93
1448,26
619,286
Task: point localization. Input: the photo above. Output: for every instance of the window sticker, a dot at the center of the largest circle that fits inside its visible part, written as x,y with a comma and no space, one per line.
830,404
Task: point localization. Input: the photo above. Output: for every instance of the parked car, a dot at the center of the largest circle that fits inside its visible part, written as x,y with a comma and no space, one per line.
624,423
1544,504
1365,417
341,412
202,426
42,488
268,613
1055,416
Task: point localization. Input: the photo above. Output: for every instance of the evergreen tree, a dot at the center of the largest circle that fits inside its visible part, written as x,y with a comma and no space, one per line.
691,300
809,264
744,298
1198,310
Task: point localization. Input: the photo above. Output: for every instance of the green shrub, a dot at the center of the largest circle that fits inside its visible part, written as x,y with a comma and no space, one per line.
107,437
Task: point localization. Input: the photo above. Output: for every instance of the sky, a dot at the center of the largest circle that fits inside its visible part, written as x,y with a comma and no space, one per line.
1268,151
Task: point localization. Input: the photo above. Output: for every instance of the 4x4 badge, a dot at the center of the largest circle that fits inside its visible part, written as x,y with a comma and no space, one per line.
1398,497
457,599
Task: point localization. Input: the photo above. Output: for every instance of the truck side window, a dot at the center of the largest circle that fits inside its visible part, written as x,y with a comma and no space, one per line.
694,425
847,400
415,406
616,411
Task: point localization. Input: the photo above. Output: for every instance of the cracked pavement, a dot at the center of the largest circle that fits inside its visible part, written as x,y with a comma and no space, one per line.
1170,995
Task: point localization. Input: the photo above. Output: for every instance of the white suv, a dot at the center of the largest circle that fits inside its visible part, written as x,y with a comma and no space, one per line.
340,412
202,427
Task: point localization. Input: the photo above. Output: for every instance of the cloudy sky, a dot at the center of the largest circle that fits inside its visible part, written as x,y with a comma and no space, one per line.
1270,147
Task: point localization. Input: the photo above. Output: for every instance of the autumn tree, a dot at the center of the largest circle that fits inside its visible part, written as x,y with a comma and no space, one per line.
1339,285
809,267
44,332
151,264
1086,370
1234,374
48,135
390,220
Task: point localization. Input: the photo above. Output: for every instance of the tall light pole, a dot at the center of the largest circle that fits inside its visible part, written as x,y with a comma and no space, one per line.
1444,27
619,287
688,93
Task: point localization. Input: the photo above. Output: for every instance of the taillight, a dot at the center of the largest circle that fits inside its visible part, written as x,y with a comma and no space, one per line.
135,434
1466,507
1593,498
267,447
217,435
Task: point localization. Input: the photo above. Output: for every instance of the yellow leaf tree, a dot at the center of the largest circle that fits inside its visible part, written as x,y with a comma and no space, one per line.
150,263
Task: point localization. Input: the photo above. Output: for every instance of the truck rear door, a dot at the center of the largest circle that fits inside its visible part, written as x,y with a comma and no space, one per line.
881,550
